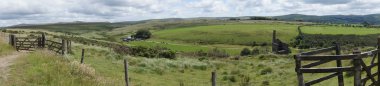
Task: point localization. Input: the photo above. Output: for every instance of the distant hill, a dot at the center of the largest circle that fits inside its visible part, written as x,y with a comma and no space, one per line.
349,19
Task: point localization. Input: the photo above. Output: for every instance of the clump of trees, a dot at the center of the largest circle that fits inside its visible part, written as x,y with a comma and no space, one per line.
261,18
366,24
142,34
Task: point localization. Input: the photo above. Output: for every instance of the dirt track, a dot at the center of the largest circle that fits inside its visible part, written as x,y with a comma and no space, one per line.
5,62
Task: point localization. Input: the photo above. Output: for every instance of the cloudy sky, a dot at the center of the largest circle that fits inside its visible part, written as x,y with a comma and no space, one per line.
49,11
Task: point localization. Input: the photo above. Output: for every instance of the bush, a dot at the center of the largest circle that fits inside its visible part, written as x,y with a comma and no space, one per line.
245,81
142,34
245,52
159,52
218,53
167,54
266,71
263,44
255,51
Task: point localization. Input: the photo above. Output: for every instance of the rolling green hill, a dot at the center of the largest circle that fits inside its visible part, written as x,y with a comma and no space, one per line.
341,19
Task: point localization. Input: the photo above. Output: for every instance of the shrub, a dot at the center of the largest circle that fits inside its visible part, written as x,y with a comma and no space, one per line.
159,52
245,81
263,44
266,71
253,44
245,52
218,53
265,83
167,54
255,51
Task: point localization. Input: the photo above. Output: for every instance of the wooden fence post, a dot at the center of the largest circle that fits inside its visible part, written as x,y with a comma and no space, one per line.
43,39
64,47
10,39
378,59
274,42
339,64
213,78
298,70
126,72
13,40
82,59
357,66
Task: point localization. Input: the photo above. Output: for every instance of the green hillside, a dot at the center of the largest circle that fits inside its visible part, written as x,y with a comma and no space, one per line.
334,30
341,19
229,33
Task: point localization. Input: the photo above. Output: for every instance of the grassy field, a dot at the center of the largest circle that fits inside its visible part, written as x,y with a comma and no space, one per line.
321,29
262,70
229,33
44,68
183,47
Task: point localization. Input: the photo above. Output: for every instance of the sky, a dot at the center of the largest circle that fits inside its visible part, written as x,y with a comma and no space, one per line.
50,11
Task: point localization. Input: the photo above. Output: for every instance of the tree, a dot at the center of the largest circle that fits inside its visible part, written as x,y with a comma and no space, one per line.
142,34
245,52
366,24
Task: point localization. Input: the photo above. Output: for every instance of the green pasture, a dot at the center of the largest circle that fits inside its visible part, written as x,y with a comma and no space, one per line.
322,29
229,33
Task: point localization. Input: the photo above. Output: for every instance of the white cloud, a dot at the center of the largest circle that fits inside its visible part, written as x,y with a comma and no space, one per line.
46,11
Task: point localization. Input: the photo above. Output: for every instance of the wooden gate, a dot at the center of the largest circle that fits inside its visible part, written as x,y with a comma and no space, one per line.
58,47
31,43
358,67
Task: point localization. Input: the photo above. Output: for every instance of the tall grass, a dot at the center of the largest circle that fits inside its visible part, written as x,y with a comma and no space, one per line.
5,48
43,68
264,70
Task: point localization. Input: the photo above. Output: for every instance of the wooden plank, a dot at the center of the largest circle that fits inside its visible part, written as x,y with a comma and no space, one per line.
53,41
326,57
319,51
372,65
368,53
367,78
367,70
326,70
316,63
27,41
321,79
